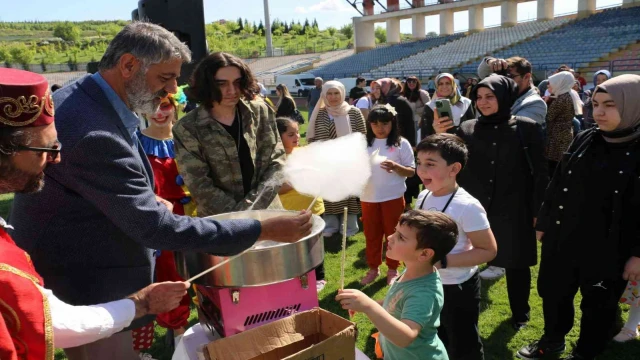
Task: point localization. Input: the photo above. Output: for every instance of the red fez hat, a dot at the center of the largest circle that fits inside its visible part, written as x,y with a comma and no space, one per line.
25,99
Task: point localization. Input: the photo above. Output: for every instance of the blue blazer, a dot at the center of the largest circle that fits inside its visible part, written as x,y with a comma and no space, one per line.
92,231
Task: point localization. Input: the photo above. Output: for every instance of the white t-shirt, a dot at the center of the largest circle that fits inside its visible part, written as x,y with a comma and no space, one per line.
364,103
383,186
469,215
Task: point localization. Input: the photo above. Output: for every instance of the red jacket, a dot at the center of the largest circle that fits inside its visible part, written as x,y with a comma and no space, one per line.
26,332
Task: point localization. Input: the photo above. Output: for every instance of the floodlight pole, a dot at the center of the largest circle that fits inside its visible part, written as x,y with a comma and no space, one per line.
267,28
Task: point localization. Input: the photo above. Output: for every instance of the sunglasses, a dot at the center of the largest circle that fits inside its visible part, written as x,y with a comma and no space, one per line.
52,153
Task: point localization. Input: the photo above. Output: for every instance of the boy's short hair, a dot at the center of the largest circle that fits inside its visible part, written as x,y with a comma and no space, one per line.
434,230
522,65
449,146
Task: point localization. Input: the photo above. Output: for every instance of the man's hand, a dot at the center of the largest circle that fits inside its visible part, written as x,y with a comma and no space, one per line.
441,124
539,235
498,65
159,298
164,202
354,301
287,228
632,269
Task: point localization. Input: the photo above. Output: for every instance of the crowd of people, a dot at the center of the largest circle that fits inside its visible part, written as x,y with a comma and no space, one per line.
492,166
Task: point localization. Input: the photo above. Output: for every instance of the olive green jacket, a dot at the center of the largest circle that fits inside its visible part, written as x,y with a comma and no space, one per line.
209,163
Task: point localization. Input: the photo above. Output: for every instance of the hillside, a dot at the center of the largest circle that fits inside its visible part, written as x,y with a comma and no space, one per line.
45,43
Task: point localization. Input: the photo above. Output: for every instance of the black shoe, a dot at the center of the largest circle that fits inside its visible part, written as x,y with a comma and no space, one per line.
541,349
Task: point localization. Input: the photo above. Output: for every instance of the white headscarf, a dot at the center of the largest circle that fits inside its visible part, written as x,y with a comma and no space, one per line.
561,83
340,113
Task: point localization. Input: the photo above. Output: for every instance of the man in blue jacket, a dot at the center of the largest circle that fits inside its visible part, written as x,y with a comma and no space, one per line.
99,222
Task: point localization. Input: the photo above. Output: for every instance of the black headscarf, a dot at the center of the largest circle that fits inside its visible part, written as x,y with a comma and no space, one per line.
506,91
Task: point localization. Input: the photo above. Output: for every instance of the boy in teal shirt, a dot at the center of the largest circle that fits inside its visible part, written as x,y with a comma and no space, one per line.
409,317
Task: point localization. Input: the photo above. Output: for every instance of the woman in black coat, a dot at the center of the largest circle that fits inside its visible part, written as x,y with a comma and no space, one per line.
507,173
589,225
286,106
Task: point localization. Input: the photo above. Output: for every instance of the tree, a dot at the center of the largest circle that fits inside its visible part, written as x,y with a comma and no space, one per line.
381,35
286,28
255,28
347,31
241,26
22,54
67,31
5,56
261,28
315,24
432,33
297,28
306,26
331,30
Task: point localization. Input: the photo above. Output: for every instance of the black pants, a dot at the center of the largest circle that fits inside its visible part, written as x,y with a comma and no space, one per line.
459,320
518,290
558,286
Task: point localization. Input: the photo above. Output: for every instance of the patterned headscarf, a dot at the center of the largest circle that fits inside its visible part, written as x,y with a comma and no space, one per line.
455,95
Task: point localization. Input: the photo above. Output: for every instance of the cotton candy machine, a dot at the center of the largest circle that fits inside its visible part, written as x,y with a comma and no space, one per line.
269,282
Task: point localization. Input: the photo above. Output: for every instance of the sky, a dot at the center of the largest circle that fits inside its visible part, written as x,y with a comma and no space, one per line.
334,13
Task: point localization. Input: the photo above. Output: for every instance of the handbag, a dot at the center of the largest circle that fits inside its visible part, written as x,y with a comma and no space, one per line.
297,116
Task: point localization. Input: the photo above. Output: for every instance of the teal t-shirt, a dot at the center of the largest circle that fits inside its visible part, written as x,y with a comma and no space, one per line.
419,300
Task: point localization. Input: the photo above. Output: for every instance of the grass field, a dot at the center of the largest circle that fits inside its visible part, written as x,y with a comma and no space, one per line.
500,340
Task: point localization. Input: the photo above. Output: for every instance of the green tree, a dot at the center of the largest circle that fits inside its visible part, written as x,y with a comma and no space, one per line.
22,54
432,33
347,31
240,25
315,24
260,30
331,30
5,55
67,31
381,35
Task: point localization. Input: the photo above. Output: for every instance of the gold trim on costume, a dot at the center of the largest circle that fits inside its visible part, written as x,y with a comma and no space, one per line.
11,269
48,327
48,324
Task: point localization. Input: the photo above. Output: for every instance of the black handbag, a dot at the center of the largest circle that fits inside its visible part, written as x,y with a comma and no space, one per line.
297,116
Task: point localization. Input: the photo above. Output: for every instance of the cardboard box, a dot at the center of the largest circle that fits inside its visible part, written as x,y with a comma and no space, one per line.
310,335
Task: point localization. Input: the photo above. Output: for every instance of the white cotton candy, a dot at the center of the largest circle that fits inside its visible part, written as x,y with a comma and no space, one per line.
334,169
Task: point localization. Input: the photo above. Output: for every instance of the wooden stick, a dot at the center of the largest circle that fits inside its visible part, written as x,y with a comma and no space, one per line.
312,203
218,265
344,247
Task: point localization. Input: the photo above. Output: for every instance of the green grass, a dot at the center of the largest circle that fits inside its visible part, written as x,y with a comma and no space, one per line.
500,340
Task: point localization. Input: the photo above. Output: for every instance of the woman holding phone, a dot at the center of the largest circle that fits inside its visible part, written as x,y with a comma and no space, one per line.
453,108
508,174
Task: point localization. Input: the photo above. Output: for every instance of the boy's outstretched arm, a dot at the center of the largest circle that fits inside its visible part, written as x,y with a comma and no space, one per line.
400,332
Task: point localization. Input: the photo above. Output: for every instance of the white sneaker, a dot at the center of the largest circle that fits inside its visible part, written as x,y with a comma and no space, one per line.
145,356
320,284
626,335
492,273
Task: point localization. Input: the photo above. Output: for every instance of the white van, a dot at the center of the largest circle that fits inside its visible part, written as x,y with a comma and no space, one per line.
298,84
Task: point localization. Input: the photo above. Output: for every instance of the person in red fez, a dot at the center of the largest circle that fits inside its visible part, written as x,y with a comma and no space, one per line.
33,320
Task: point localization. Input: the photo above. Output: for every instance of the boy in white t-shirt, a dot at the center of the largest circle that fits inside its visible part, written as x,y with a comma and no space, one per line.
382,199
441,157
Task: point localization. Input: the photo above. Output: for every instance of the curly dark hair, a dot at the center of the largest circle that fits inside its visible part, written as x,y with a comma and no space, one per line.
203,88
380,113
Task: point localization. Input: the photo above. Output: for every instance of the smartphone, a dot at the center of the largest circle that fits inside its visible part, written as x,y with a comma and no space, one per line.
443,107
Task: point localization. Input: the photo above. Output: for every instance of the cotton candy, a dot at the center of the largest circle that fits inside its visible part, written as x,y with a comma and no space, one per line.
334,169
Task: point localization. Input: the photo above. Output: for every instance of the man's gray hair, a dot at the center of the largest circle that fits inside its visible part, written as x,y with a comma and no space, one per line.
150,43
318,79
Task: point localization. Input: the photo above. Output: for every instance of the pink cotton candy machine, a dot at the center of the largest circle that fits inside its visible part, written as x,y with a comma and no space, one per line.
269,282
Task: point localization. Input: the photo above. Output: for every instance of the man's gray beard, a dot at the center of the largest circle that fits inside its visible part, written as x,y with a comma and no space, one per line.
16,180
141,100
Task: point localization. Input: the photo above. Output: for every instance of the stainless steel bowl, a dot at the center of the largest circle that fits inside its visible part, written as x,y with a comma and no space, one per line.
257,267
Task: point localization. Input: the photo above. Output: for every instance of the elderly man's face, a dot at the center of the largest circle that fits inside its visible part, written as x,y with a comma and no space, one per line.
318,83
145,90
25,171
